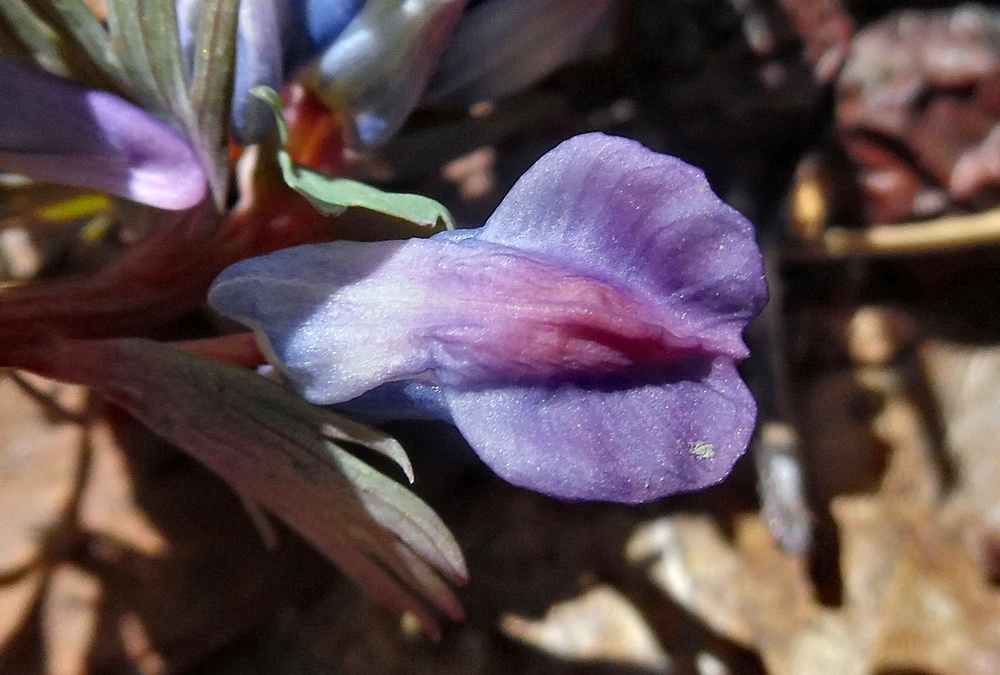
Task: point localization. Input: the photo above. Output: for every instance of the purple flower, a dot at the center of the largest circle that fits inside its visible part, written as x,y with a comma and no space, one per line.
373,59
584,341
378,67
54,130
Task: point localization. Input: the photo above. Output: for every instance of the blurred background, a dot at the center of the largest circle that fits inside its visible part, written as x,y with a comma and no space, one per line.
863,139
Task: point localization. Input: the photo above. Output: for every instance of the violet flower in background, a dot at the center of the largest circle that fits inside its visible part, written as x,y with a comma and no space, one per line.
377,69
374,59
55,130
584,341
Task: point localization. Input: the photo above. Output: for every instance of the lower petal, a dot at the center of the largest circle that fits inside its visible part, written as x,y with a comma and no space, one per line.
631,443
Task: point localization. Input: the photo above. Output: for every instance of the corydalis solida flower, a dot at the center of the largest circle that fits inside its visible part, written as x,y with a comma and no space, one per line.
55,130
584,341
375,60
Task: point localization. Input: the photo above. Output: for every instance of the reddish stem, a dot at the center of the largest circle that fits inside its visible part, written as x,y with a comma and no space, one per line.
160,278
239,350
167,274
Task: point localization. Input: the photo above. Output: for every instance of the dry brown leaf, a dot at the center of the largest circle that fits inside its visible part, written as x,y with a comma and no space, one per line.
599,626
914,596
69,619
38,466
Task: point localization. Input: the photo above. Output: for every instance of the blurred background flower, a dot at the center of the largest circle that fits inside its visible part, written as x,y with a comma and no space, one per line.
57,131
372,61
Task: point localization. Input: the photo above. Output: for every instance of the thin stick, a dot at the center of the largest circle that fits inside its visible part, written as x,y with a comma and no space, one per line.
939,234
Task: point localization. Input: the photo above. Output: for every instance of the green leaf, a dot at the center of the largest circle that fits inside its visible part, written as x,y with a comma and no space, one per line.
134,54
212,83
145,36
22,34
145,39
72,18
25,34
333,196
275,449
404,514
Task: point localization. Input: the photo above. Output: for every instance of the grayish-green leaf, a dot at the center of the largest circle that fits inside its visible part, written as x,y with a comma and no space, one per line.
73,19
26,35
403,512
275,448
333,196
129,43
212,83
349,431
145,38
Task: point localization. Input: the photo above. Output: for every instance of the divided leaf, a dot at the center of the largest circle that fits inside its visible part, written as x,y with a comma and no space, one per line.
333,196
275,448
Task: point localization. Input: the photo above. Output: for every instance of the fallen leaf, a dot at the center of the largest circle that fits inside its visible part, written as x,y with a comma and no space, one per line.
599,626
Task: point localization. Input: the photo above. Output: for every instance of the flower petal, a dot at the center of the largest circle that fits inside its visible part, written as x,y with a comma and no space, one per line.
677,431
56,131
648,221
502,46
400,400
584,340
310,26
604,256
258,62
378,67
344,317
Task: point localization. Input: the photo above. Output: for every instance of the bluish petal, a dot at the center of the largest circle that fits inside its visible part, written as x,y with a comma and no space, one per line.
187,25
56,131
377,69
310,26
258,62
327,315
259,58
619,211
677,431
502,46
604,257
400,400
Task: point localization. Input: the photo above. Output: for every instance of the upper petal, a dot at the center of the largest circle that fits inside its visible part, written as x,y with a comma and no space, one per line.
605,258
54,130
648,221
344,317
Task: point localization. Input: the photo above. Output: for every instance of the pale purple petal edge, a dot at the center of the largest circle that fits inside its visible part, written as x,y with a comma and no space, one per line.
54,130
